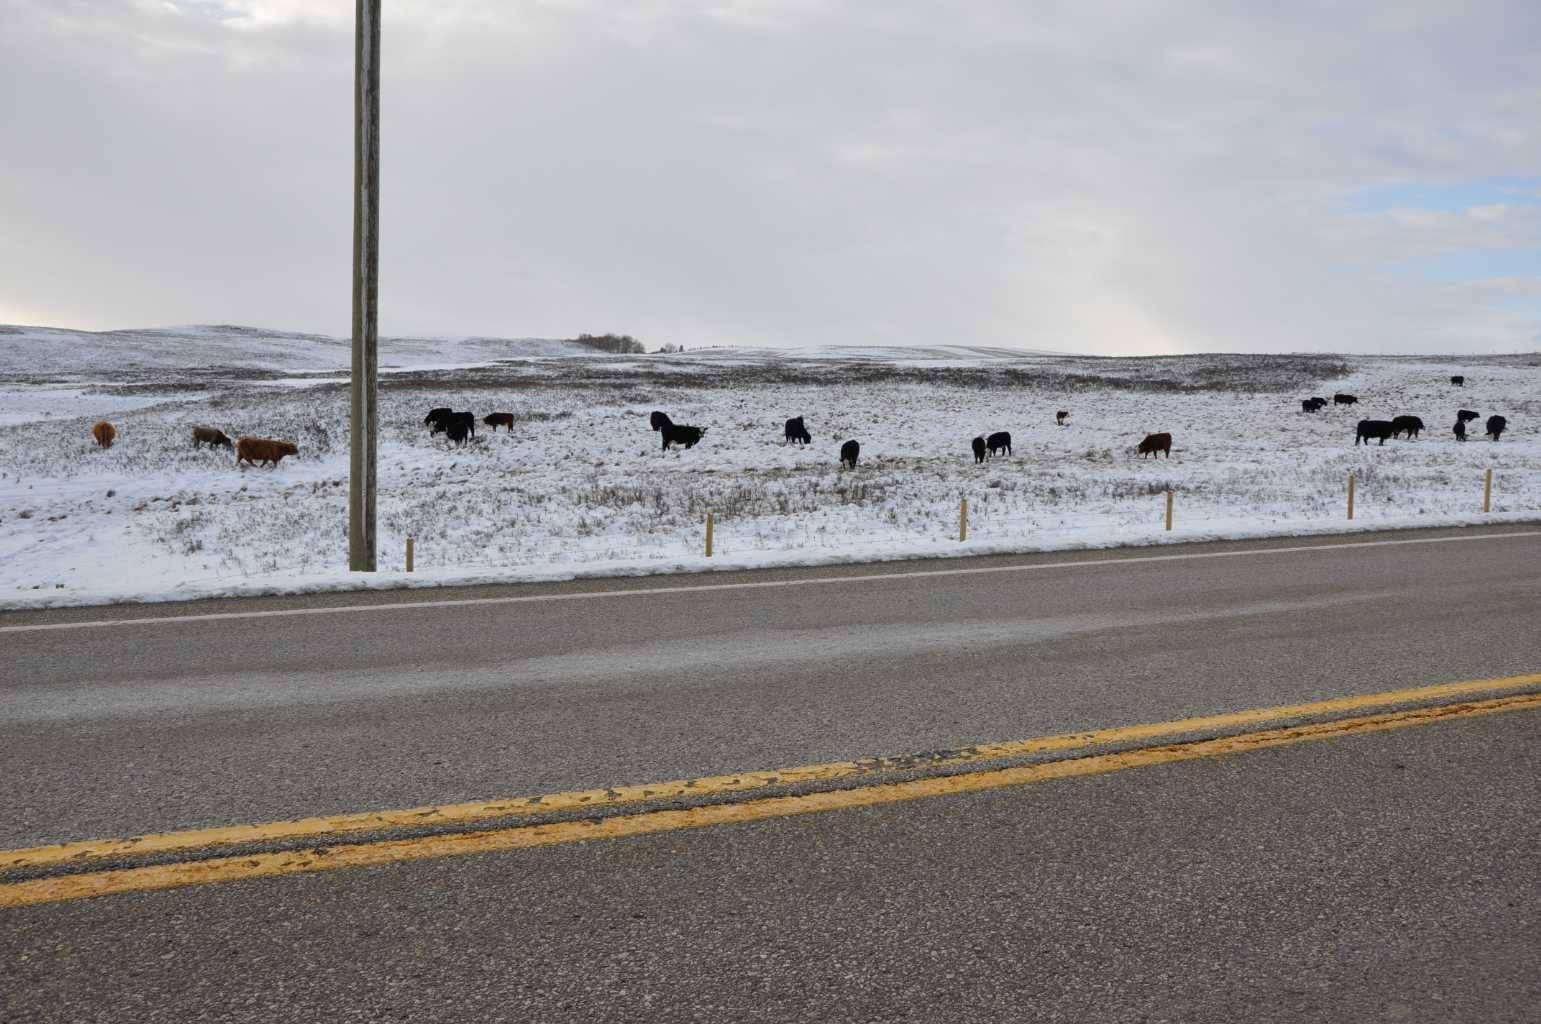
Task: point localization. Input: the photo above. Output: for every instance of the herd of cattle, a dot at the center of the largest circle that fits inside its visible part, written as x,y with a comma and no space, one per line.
458,427
1412,426
254,450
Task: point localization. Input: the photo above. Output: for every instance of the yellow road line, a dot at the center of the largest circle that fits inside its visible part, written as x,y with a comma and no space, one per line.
266,865
714,785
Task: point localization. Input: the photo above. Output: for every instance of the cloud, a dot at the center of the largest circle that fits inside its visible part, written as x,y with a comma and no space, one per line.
1106,177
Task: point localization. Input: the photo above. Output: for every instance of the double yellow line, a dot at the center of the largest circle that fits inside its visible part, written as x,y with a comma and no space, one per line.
203,867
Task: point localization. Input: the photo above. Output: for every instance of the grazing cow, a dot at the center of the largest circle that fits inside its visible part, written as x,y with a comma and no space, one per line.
499,419
263,450
1458,381
979,449
849,453
1411,424
1370,429
1341,399
434,416
104,432
1155,444
1312,404
796,432
456,430
441,425
682,435
1496,425
1060,417
1460,430
211,437
999,442
1466,415
659,420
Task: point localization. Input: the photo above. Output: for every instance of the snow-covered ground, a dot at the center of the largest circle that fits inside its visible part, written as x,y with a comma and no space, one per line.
580,485
34,352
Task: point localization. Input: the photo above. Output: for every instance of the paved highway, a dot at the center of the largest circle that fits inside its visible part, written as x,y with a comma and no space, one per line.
1385,869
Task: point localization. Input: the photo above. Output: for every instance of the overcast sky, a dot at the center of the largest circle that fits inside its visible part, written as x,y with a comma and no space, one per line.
1100,176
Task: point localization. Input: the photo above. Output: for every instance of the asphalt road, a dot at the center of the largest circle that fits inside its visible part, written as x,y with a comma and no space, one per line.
1390,876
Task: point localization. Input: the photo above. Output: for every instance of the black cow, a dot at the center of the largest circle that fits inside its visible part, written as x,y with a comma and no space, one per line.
456,430
1060,417
1371,429
1466,415
1496,425
1312,404
848,454
999,442
1458,381
434,416
979,449
1411,424
682,435
796,432
1341,399
1154,444
1460,430
442,424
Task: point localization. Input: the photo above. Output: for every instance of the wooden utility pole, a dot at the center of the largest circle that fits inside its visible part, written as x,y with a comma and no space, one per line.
364,419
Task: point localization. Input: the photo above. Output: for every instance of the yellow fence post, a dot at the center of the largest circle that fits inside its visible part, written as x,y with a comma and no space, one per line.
1487,490
409,554
1351,495
1169,508
962,520
708,535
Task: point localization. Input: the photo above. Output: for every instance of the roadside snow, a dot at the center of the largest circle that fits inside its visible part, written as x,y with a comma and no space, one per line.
581,488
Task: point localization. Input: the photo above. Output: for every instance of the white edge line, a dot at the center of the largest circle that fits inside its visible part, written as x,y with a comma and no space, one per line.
750,585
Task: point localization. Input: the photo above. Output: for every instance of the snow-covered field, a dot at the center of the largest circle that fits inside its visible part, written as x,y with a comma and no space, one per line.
580,486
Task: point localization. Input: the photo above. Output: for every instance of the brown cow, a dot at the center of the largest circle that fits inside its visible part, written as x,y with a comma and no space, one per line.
263,450
211,437
105,433
1156,444
1061,416
499,419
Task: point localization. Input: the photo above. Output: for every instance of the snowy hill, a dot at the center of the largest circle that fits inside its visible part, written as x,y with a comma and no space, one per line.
51,350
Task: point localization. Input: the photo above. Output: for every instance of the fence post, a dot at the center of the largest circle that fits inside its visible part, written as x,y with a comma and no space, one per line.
1487,490
708,535
1351,495
1168,508
409,554
962,520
